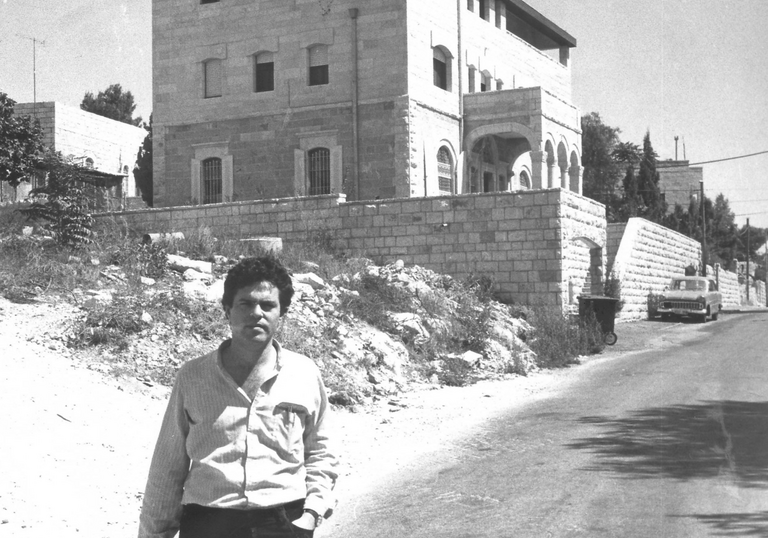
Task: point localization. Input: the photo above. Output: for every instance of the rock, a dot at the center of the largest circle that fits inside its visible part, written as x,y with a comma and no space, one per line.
399,265
146,317
310,279
192,275
181,264
97,298
471,358
145,280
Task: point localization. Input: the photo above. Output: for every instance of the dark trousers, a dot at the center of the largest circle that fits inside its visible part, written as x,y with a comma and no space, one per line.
203,522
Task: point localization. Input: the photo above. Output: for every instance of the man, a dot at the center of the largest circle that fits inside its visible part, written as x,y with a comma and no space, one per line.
242,450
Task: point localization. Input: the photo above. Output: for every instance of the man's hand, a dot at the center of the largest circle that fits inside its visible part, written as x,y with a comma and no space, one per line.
306,522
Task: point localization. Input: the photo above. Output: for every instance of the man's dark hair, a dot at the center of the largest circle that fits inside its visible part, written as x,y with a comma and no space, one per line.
250,271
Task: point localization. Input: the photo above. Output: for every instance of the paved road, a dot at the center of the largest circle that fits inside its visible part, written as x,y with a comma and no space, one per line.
669,443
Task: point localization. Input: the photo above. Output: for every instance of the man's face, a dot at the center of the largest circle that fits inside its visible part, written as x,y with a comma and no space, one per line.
255,313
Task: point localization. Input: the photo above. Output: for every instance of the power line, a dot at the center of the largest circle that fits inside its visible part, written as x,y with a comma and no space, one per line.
713,161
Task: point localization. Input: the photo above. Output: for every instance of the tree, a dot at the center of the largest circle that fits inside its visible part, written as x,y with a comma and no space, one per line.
63,203
21,142
654,205
142,170
112,103
601,171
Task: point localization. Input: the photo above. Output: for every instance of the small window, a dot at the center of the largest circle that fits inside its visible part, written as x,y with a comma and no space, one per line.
318,65
440,68
264,72
212,181
319,171
444,170
89,163
497,11
209,1
525,181
471,5
499,85
483,9
485,82
471,80
212,78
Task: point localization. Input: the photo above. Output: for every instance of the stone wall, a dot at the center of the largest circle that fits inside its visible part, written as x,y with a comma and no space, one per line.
648,256
531,243
728,285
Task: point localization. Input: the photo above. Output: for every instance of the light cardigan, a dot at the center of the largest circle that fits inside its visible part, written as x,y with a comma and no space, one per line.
219,448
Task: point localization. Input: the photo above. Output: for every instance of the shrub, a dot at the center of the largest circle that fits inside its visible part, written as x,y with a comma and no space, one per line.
560,339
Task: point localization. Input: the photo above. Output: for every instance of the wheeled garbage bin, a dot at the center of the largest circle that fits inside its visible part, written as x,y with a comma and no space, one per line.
605,313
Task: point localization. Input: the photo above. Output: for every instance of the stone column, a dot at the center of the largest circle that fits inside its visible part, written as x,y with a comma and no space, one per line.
576,174
539,170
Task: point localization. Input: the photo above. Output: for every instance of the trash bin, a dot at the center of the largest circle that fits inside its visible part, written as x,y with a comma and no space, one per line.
605,313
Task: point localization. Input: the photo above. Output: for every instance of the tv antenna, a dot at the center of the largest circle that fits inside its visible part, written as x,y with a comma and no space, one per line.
35,41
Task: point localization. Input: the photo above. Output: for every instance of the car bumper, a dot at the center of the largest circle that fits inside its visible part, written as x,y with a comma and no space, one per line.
682,311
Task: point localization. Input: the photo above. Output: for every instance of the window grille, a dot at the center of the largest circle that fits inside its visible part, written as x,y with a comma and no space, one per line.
318,65
525,182
319,171
264,73
212,181
444,170
212,76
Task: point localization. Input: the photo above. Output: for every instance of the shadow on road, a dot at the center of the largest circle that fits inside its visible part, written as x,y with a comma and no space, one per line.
725,439
743,524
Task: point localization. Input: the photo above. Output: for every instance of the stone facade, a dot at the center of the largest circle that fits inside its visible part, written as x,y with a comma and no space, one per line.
532,244
103,144
497,117
679,182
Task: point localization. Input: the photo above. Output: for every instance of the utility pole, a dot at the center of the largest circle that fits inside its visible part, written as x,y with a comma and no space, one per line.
703,231
35,41
747,279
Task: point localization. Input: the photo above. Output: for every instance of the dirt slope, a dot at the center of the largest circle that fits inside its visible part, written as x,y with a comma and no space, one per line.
75,445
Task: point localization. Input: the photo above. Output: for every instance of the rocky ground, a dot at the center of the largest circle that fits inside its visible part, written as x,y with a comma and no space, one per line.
76,442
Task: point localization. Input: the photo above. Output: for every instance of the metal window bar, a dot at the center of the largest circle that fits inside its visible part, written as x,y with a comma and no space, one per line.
444,170
319,171
212,181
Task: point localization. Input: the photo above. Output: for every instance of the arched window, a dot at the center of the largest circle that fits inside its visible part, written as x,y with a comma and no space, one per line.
441,68
89,162
264,72
525,181
125,169
444,170
212,180
318,65
485,82
212,78
319,171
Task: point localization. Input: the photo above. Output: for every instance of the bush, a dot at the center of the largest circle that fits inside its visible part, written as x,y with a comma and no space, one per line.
560,339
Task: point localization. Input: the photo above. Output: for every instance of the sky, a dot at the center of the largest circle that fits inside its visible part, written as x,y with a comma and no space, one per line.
696,69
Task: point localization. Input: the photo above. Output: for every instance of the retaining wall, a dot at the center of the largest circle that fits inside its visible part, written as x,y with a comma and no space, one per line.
728,284
523,240
648,256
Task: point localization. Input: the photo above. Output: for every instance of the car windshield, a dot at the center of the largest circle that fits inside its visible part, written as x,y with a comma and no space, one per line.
693,285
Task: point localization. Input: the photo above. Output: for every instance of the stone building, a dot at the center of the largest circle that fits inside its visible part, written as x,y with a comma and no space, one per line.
374,99
106,146
679,182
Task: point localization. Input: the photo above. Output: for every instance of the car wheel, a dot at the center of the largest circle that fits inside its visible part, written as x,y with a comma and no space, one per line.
666,317
716,314
703,318
610,338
